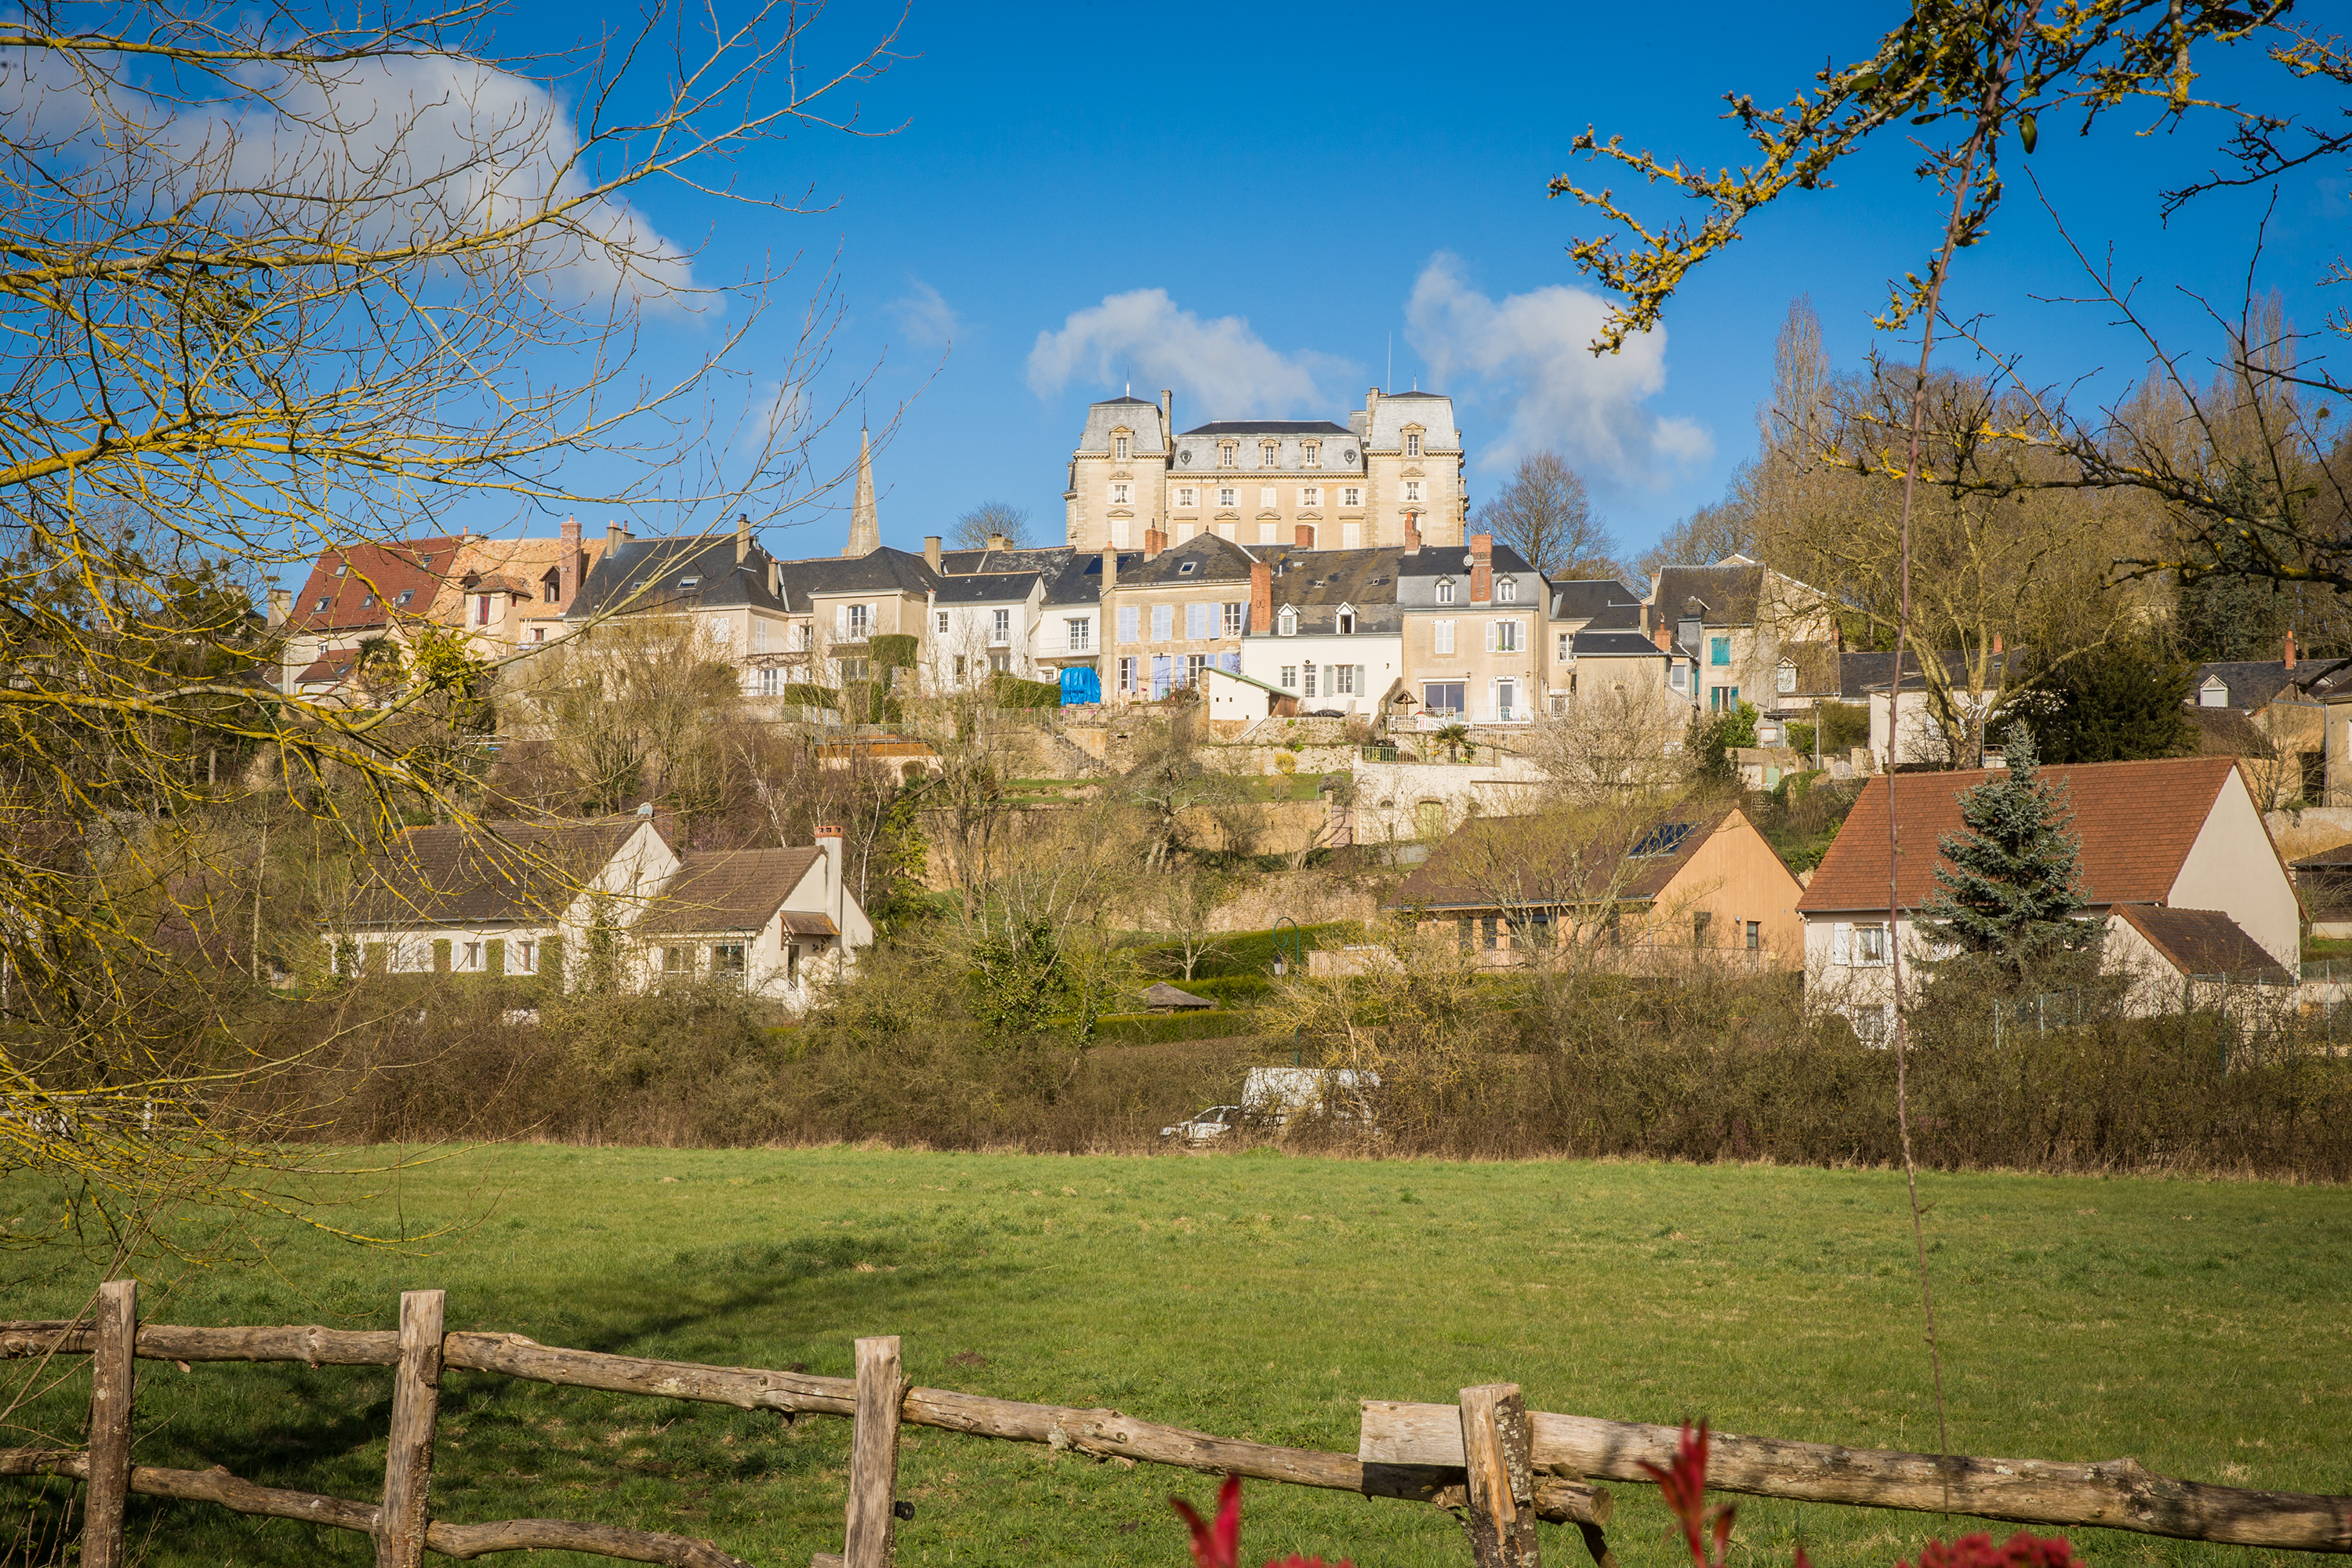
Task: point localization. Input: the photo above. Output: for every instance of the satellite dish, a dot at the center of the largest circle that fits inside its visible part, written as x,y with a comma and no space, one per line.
1469,560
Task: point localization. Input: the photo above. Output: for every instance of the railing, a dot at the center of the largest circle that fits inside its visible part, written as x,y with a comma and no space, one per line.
1496,1466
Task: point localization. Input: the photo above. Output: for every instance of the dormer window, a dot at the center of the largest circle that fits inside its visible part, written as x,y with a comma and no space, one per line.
1445,590
2214,693
1226,452
1311,453
1118,447
1784,680
1288,620
1506,590
1413,444
1269,454
1345,620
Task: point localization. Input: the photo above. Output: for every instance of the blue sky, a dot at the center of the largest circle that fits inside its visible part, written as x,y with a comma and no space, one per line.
1261,206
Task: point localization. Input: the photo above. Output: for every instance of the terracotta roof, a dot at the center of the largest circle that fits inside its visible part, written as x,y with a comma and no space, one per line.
374,576
1493,861
329,668
500,871
2203,943
728,889
2135,822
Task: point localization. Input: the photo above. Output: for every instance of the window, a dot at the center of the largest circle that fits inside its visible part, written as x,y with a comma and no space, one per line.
806,635
1236,619
1442,699
1677,677
943,625
1413,444
1343,679
958,667
526,956
1559,699
1196,622
1784,680
1082,633
1186,496
1700,920
1226,451
539,633
1861,946
1755,936
861,622
678,961
1288,620
1345,621
1507,702
1120,493
473,958
1723,698
1118,447
1268,455
727,962
1194,663
722,630
851,669
1225,497
1719,651
367,601
1445,590
321,605
1310,689
1441,636
1000,629
1311,453
405,594
1186,569
1163,622
551,588
1001,662
1265,495
1560,644
771,682
1127,666
1503,636
1310,495
1352,495
1289,681
1413,490
2212,694
1127,623
342,568
1506,590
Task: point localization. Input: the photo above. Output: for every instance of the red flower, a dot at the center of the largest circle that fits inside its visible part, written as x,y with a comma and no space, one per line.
1683,1484
2020,1551
1217,1545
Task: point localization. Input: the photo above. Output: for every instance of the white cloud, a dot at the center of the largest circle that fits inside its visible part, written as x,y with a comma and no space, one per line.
1533,352
926,317
1221,366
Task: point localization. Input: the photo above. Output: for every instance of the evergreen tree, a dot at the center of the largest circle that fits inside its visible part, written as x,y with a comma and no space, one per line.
2237,613
2125,703
2009,883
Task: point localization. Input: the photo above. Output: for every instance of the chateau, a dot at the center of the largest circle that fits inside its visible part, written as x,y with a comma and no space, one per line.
1391,476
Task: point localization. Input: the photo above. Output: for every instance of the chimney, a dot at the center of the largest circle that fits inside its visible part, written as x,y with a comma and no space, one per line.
2290,639
931,551
1482,568
1167,418
742,538
1996,644
1413,531
828,838
1261,620
614,537
567,564
1154,542
1664,636
999,541
1109,571
1371,406
281,608
775,579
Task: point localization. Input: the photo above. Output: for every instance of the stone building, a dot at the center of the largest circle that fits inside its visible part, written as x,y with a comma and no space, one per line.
1393,473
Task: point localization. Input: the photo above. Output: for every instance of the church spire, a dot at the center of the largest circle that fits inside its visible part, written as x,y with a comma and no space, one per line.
865,528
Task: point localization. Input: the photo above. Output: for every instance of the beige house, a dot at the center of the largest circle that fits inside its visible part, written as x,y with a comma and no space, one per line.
2181,834
1475,627
1164,617
1735,618
1393,468
723,590
507,594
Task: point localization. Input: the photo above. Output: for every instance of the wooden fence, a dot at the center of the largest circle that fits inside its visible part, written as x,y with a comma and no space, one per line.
1496,1465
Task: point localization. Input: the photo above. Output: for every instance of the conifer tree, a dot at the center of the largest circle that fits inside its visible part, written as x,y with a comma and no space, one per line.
2008,882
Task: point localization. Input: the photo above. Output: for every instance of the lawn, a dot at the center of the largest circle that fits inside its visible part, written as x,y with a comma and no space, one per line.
2199,1327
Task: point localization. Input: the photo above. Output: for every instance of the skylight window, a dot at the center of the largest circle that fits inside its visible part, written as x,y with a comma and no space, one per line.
686,583
1666,838
1186,569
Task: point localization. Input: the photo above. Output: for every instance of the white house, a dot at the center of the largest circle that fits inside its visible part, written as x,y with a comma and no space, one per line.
2173,835
565,900
981,626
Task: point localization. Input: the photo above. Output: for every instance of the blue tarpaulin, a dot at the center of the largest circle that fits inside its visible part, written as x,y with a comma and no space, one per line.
1080,684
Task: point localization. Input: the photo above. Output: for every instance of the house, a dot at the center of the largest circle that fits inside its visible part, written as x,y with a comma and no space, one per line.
2182,833
1162,618
2274,716
1735,616
2324,882
719,591
1606,616
1324,627
981,626
1908,706
1665,888
601,899
835,606
1475,627
356,594
507,594
2176,959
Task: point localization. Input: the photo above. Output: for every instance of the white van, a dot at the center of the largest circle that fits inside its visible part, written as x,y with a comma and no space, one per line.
1272,1096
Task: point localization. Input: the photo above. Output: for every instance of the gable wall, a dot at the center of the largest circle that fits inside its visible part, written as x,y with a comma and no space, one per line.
2233,867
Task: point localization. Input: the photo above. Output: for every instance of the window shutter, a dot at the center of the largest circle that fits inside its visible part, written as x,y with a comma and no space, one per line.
1842,942
1163,622
1442,637
1493,636
1359,682
1127,626
840,621
1196,622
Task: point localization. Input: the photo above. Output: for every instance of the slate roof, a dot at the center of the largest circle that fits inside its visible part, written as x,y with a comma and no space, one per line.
369,591
2134,821
664,565
2254,683
726,890
1080,580
1590,644
2204,942
1039,559
1727,592
1269,427
1817,667
1449,559
1602,604
1164,998
1494,860
527,871
994,588
1215,559
1317,582
883,570
1860,673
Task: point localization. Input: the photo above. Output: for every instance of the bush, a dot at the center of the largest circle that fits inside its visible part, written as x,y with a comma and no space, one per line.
1011,692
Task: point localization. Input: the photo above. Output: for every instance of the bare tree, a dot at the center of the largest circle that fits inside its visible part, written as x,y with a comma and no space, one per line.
1545,514
989,521
1617,743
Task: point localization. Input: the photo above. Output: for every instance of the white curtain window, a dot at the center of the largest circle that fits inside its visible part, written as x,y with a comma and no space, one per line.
1120,495
1187,496
1081,634
1235,618
1001,629
1310,495
1352,495
1163,622
1225,496
1289,678
1196,622
1441,635
1413,490
1127,623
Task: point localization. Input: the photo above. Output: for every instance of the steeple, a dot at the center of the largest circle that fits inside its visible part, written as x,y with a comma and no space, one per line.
865,528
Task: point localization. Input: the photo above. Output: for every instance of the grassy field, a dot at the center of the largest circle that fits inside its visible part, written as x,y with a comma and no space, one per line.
2201,1328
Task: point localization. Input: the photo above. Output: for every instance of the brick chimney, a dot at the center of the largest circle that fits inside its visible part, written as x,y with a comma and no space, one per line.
2290,648
1155,539
1261,620
1305,536
1996,644
931,551
1413,531
1663,636
567,564
1482,568
614,537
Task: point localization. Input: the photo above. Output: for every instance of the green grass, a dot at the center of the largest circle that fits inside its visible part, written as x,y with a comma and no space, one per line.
2201,1328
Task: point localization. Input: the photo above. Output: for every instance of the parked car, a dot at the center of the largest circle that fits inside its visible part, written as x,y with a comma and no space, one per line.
1206,1125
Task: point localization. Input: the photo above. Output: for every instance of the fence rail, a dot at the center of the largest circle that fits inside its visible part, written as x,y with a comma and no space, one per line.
1490,1460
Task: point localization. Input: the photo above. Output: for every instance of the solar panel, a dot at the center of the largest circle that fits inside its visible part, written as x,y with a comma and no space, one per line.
1663,839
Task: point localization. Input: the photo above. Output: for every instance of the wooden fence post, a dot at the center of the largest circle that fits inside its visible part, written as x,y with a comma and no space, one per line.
1498,1451
408,1460
111,1376
871,1538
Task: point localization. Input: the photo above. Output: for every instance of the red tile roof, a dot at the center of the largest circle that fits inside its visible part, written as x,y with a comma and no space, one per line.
368,591
2135,822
